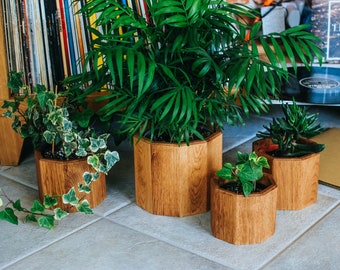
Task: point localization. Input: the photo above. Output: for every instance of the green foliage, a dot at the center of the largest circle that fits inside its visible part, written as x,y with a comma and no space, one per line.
186,66
289,131
49,118
247,170
41,213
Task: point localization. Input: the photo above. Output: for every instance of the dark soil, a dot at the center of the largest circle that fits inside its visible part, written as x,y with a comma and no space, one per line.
58,154
237,188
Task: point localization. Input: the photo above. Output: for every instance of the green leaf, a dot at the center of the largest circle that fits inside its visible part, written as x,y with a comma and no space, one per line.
49,201
93,161
226,172
247,187
111,157
46,221
17,205
60,214
49,136
84,188
96,144
70,197
31,217
37,207
8,215
88,178
84,207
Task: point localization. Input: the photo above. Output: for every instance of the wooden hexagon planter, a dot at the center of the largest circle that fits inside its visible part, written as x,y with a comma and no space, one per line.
56,177
242,220
297,178
172,180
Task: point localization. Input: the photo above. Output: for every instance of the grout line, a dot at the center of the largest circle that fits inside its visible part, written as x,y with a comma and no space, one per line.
16,260
17,180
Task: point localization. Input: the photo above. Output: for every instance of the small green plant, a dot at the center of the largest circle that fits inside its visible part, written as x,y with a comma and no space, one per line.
288,132
40,212
60,130
245,173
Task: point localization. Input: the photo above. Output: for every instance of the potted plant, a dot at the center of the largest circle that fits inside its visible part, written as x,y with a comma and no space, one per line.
294,158
70,155
243,201
175,76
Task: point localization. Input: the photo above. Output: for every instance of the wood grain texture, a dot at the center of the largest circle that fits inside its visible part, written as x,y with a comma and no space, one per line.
57,177
243,220
296,178
10,143
172,180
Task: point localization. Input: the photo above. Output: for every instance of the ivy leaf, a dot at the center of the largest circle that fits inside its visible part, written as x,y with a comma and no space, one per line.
46,222
93,161
31,217
59,214
17,205
97,144
8,215
70,197
247,187
84,207
49,201
88,178
84,188
37,207
111,159
226,172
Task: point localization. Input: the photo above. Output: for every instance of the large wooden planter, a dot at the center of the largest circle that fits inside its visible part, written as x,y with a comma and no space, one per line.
242,220
57,177
296,178
173,180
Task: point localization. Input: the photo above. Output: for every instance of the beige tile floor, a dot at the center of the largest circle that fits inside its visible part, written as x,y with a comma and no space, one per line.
120,235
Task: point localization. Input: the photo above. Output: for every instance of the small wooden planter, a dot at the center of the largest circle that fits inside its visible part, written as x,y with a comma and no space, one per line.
56,177
242,220
296,178
172,180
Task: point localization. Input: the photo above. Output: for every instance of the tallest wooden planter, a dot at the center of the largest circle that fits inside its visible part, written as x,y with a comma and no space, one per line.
173,180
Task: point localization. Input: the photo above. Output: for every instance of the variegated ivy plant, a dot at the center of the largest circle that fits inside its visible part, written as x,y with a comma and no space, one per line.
50,119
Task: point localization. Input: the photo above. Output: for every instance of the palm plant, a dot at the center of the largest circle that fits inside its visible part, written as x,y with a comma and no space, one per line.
185,66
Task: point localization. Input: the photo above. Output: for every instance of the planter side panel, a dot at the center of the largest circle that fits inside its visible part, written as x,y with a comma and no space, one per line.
172,180
178,179
142,169
296,178
243,220
297,181
57,177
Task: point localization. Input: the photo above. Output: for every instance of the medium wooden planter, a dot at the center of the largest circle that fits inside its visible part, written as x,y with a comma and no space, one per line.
56,177
296,178
242,220
172,180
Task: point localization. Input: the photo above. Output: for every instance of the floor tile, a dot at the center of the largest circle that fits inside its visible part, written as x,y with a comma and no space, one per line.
25,173
18,241
194,234
317,249
115,247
